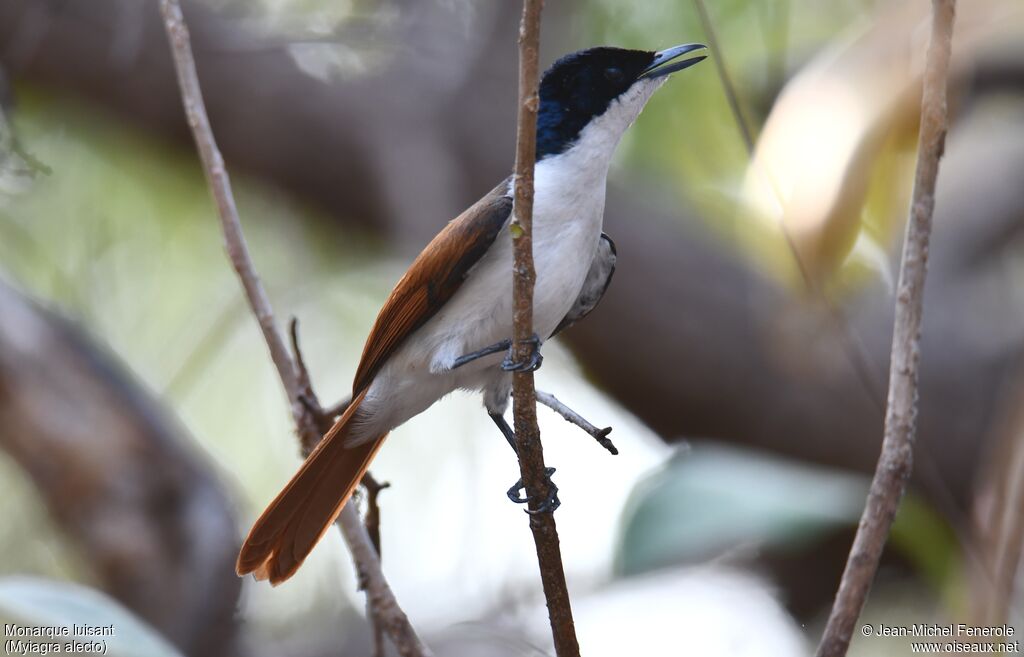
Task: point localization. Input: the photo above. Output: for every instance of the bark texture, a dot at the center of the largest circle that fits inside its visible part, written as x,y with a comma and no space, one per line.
725,352
119,478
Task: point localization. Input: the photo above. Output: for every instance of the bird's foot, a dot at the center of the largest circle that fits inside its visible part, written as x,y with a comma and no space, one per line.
531,364
550,503
480,353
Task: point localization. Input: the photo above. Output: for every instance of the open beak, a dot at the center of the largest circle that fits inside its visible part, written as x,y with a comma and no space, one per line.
664,62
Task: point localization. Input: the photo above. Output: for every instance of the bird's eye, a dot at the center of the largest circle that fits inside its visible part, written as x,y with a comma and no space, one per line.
613,74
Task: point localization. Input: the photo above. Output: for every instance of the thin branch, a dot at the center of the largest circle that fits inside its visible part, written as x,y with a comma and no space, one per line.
600,435
723,74
386,610
999,518
895,462
325,418
373,489
852,346
372,523
528,445
1008,541
220,187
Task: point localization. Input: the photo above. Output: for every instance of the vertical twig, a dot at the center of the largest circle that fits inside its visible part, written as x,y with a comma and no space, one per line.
895,462
723,75
372,523
999,518
531,454
852,346
325,418
385,608
1008,542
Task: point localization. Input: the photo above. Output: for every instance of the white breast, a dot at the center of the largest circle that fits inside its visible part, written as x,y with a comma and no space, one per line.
567,219
569,191
566,231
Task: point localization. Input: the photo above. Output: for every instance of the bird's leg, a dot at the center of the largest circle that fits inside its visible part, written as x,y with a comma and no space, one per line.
486,351
531,364
506,430
551,502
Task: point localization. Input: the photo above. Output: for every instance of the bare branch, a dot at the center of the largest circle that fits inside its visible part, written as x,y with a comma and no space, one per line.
1007,539
895,463
600,435
372,523
723,74
386,610
852,346
81,426
325,416
220,187
528,445
999,518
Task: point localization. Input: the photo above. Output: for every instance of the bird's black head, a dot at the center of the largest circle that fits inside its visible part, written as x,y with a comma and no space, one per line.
581,86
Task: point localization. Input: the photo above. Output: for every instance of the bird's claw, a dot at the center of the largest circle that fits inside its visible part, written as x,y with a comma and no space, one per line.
550,503
531,364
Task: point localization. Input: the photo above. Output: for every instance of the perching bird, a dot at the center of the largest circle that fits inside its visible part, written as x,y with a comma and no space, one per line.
449,318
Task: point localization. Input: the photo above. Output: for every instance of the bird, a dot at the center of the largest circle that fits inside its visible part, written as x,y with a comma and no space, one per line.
448,320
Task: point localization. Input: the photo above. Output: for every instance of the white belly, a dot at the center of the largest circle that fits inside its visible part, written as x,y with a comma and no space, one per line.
567,223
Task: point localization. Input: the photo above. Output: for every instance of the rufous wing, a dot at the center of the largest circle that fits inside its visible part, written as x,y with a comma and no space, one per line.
432,279
295,521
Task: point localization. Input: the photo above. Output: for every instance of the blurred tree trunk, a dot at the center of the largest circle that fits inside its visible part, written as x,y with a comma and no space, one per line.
724,352
119,478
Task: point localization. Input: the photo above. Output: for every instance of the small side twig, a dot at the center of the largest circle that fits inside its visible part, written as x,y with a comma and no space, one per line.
34,165
383,604
373,489
528,445
303,382
895,462
372,523
600,435
325,417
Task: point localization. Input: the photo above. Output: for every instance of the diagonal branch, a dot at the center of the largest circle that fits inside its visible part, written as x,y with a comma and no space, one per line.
723,74
852,346
524,394
895,462
600,435
386,611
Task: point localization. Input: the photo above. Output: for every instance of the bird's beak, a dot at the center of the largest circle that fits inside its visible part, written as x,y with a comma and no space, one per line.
661,65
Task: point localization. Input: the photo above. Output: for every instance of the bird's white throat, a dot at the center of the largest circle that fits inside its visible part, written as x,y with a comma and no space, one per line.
572,179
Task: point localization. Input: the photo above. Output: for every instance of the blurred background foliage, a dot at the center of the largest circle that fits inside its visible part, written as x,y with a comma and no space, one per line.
120,236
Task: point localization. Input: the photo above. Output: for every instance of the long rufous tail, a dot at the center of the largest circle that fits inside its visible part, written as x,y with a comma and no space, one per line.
295,521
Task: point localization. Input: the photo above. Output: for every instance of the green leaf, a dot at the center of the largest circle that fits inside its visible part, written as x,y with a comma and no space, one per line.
711,499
